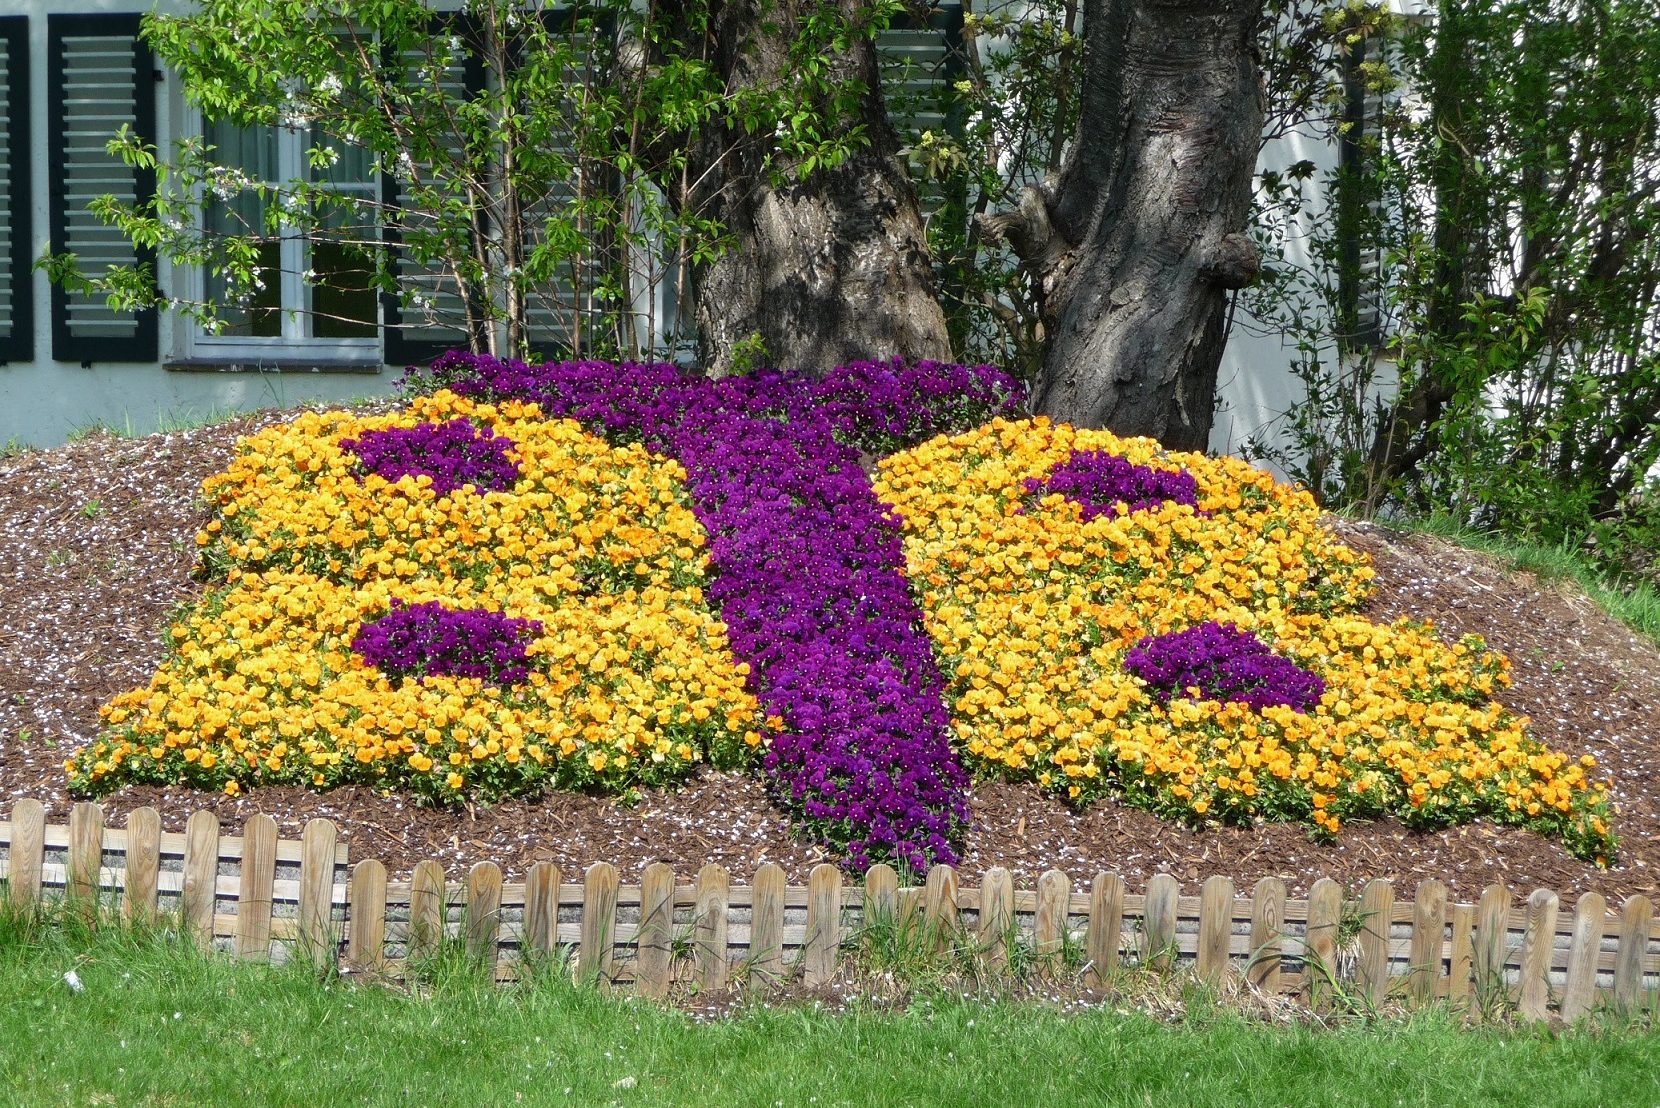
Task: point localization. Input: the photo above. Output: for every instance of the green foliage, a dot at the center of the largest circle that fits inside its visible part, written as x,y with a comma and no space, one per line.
1506,187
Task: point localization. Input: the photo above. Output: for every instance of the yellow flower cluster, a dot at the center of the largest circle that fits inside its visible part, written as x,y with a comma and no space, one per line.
632,681
1031,609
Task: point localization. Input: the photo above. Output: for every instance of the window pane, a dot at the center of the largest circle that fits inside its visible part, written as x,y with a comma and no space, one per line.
255,313
342,303
253,150
339,302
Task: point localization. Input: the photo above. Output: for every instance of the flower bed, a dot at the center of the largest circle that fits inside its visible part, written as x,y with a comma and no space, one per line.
586,576
1042,614
591,575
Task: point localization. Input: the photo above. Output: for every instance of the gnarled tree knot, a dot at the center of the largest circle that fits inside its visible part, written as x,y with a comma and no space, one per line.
1028,229
1234,263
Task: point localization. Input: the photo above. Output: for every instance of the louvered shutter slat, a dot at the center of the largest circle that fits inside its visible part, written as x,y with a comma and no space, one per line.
918,62
101,78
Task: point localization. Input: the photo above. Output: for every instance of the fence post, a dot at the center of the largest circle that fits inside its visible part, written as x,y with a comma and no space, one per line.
1158,934
1106,926
824,925
316,910
1267,924
1054,905
366,917
1325,916
1377,906
654,945
1581,988
541,925
1492,940
426,909
1461,966
28,852
138,900
1635,916
996,915
201,875
1215,928
713,885
766,930
595,957
881,896
259,873
939,907
483,911
86,857
1429,921
1537,945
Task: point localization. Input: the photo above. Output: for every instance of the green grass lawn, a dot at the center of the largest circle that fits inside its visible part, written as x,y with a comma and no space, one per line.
157,1023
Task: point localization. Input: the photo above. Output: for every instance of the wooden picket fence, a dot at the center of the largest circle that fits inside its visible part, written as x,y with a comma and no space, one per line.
271,899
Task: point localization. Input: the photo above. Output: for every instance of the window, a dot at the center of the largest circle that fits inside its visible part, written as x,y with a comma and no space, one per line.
16,281
100,78
311,299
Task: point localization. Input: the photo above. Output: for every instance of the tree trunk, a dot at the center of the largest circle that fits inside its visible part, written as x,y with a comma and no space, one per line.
818,271
1134,246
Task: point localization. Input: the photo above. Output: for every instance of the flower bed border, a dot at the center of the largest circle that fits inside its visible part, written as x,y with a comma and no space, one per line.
304,899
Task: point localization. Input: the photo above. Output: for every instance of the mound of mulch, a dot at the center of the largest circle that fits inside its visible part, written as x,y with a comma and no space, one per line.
96,547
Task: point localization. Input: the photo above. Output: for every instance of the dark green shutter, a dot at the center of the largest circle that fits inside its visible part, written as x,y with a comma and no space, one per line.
99,77
17,316
407,340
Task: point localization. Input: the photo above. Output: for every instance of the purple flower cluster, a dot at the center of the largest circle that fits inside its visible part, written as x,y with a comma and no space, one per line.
453,453
414,640
1108,485
1224,663
884,406
877,407
808,568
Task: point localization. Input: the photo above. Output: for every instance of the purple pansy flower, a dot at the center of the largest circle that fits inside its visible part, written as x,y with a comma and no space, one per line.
808,571
417,640
1107,485
453,453
1223,662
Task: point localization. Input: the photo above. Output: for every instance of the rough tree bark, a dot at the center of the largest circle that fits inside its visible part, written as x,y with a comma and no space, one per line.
1136,242
824,270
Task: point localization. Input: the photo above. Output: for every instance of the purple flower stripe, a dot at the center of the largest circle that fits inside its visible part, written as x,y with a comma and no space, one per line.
1106,484
1224,663
808,567
879,406
453,454
415,640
